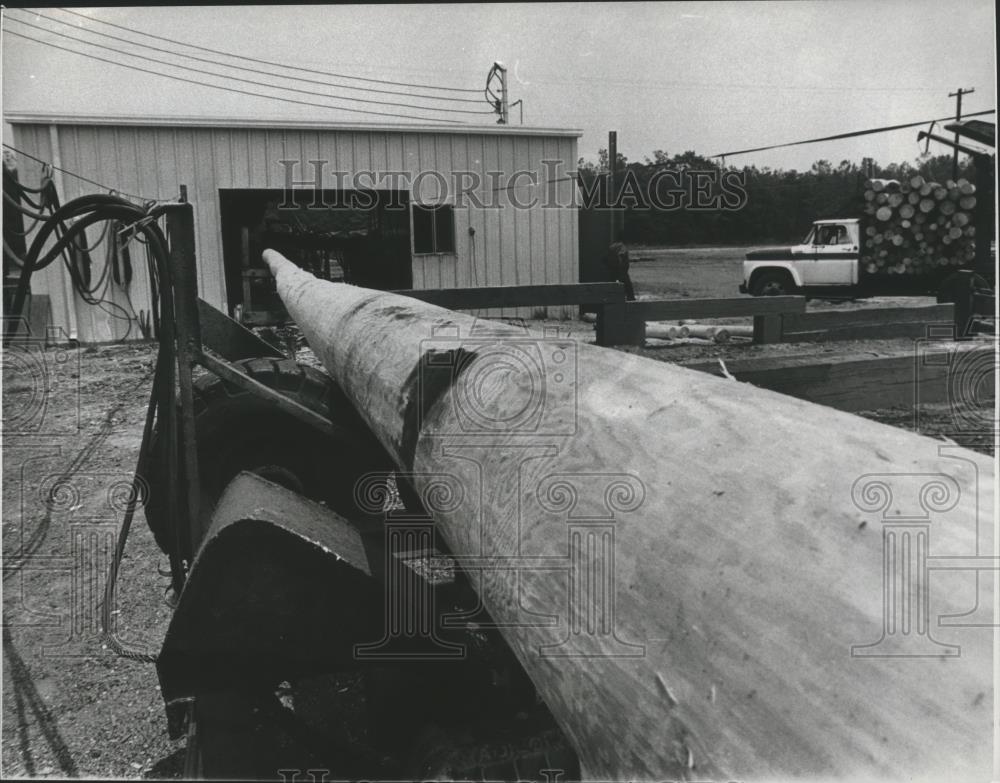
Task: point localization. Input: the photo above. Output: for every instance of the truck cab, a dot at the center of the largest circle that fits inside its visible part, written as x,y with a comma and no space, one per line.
827,257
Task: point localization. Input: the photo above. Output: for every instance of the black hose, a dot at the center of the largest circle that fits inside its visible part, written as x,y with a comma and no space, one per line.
162,408
16,205
162,411
88,210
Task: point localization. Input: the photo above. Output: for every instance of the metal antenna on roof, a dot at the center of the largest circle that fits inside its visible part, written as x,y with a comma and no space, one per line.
520,105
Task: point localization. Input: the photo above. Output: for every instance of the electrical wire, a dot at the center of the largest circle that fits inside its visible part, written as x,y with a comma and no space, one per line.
850,134
246,81
25,189
252,70
74,254
275,64
28,230
230,89
23,194
140,199
509,186
97,244
35,215
667,85
77,264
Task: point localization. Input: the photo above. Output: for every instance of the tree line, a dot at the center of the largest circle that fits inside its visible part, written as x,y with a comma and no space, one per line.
780,204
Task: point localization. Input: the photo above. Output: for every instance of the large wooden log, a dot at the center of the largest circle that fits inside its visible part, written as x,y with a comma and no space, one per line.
691,570
661,331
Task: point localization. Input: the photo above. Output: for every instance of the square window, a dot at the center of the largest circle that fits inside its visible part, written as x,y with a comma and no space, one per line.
433,228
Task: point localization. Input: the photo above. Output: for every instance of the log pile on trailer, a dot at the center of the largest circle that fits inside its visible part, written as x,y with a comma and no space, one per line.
917,226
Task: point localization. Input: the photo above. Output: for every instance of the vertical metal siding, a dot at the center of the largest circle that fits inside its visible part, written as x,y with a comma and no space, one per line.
524,194
34,140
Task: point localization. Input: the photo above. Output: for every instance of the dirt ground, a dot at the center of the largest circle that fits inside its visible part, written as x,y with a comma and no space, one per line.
668,273
70,706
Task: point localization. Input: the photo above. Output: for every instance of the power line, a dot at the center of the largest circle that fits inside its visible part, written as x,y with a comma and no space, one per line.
246,81
268,62
233,89
675,85
252,70
510,185
848,135
142,199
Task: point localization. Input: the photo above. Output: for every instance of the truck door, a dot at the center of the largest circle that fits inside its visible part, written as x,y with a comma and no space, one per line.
836,255
804,256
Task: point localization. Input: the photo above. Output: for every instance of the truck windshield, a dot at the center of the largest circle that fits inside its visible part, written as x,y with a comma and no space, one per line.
809,237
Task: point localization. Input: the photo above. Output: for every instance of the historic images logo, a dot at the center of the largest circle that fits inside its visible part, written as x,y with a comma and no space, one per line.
316,184
495,405
500,384
907,507
40,376
959,376
90,507
586,506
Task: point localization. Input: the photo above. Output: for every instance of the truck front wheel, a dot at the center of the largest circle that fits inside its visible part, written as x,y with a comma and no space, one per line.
772,284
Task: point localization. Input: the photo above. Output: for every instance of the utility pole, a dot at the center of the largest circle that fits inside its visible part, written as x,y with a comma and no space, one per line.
958,116
612,167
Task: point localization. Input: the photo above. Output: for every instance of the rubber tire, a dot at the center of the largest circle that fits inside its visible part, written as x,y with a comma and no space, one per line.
238,431
778,283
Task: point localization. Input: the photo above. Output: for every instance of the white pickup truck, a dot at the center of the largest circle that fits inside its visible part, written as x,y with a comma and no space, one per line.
829,263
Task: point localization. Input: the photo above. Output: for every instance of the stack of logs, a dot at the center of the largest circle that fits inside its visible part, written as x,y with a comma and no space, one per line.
917,227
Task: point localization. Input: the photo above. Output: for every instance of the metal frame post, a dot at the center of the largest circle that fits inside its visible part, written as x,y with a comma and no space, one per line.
180,232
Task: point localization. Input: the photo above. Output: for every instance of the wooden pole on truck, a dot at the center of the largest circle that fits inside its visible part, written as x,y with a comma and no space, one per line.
703,579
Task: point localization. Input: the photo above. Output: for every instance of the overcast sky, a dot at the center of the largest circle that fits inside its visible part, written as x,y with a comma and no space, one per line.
710,77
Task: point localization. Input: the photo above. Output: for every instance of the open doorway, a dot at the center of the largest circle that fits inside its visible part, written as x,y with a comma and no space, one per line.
343,236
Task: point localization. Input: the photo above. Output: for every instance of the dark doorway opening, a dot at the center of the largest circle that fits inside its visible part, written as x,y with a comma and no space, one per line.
362,238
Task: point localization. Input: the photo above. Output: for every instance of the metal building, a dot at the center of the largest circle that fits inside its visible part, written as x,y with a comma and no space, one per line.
457,205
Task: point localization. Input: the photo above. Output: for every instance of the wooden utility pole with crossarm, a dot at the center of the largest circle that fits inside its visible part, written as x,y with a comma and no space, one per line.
958,116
